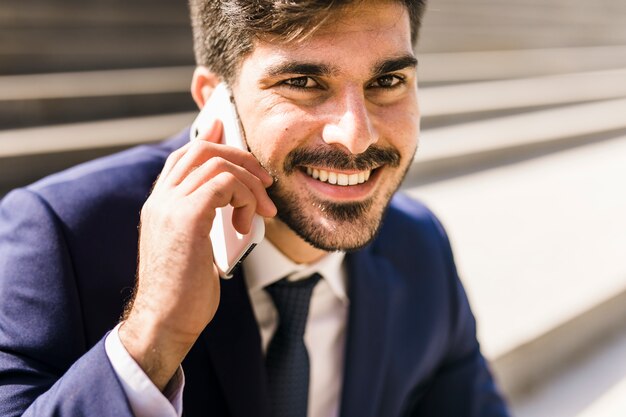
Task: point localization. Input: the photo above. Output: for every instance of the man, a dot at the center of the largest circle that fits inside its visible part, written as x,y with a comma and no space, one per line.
327,96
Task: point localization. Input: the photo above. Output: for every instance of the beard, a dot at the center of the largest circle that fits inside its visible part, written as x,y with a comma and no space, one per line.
332,226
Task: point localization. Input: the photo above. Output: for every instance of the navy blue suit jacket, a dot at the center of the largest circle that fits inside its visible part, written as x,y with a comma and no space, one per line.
68,251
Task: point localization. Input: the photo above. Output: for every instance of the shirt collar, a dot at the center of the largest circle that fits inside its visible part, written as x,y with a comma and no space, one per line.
266,265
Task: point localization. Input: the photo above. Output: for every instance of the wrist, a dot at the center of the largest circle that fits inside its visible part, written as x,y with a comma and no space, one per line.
157,351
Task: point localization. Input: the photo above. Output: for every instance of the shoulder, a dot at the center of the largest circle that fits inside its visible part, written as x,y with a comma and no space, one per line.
121,180
414,242
407,225
122,173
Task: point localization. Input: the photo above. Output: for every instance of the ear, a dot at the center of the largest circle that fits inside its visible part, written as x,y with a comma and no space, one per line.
202,85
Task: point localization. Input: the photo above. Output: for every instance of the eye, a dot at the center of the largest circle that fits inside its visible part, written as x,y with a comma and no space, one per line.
387,81
301,82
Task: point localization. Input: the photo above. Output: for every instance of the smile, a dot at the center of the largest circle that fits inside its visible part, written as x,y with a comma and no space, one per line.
338,178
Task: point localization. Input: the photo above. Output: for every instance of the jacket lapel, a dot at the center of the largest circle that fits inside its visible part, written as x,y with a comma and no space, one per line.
371,288
234,346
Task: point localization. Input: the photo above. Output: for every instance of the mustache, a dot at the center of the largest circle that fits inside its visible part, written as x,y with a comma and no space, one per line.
333,158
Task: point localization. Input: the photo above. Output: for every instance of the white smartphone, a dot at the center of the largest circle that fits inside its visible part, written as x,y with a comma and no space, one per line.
230,247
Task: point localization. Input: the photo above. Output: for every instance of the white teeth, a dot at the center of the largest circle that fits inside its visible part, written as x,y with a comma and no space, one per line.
338,178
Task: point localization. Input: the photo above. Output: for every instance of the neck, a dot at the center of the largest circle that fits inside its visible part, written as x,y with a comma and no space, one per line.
290,244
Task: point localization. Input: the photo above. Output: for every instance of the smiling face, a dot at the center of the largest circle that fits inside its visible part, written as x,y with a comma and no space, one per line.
335,119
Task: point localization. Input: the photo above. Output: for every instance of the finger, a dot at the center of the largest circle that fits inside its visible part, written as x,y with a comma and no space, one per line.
253,165
200,152
171,161
242,218
213,132
217,165
226,189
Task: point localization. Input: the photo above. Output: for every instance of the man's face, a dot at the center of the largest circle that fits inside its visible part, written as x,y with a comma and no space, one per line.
335,120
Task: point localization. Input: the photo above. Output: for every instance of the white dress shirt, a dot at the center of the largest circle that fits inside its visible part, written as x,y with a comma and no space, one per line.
324,335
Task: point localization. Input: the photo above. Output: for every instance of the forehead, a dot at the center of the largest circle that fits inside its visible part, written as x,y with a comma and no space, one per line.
354,36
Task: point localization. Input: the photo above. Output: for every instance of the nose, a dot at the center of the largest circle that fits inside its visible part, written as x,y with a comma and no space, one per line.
351,123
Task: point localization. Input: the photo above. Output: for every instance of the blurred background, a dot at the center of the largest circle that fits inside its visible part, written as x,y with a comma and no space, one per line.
522,156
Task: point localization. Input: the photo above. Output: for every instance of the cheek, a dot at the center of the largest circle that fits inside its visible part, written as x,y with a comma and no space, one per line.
401,129
274,133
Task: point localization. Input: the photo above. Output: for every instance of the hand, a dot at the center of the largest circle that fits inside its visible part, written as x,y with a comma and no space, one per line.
178,291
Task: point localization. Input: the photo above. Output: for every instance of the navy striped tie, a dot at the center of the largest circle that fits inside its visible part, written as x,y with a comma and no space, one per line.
287,360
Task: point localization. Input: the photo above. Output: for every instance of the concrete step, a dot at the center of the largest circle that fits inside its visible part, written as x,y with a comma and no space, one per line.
29,154
81,49
540,244
49,112
592,385
450,151
63,35
455,26
101,134
489,96
55,14
96,83
45,99
455,67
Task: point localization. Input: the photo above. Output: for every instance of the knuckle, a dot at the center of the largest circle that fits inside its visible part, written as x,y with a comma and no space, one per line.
217,163
223,180
219,194
194,151
201,146
175,155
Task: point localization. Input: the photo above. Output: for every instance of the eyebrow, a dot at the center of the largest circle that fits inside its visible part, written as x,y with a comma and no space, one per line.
395,64
304,68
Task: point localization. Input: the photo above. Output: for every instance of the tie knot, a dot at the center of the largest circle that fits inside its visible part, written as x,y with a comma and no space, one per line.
292,299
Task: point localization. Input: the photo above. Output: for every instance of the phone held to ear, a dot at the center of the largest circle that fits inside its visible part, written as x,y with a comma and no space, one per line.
230,247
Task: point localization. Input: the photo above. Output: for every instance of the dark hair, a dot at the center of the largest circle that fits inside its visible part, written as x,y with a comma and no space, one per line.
224,30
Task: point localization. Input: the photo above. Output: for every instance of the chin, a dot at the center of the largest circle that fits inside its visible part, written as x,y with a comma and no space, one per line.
334,226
